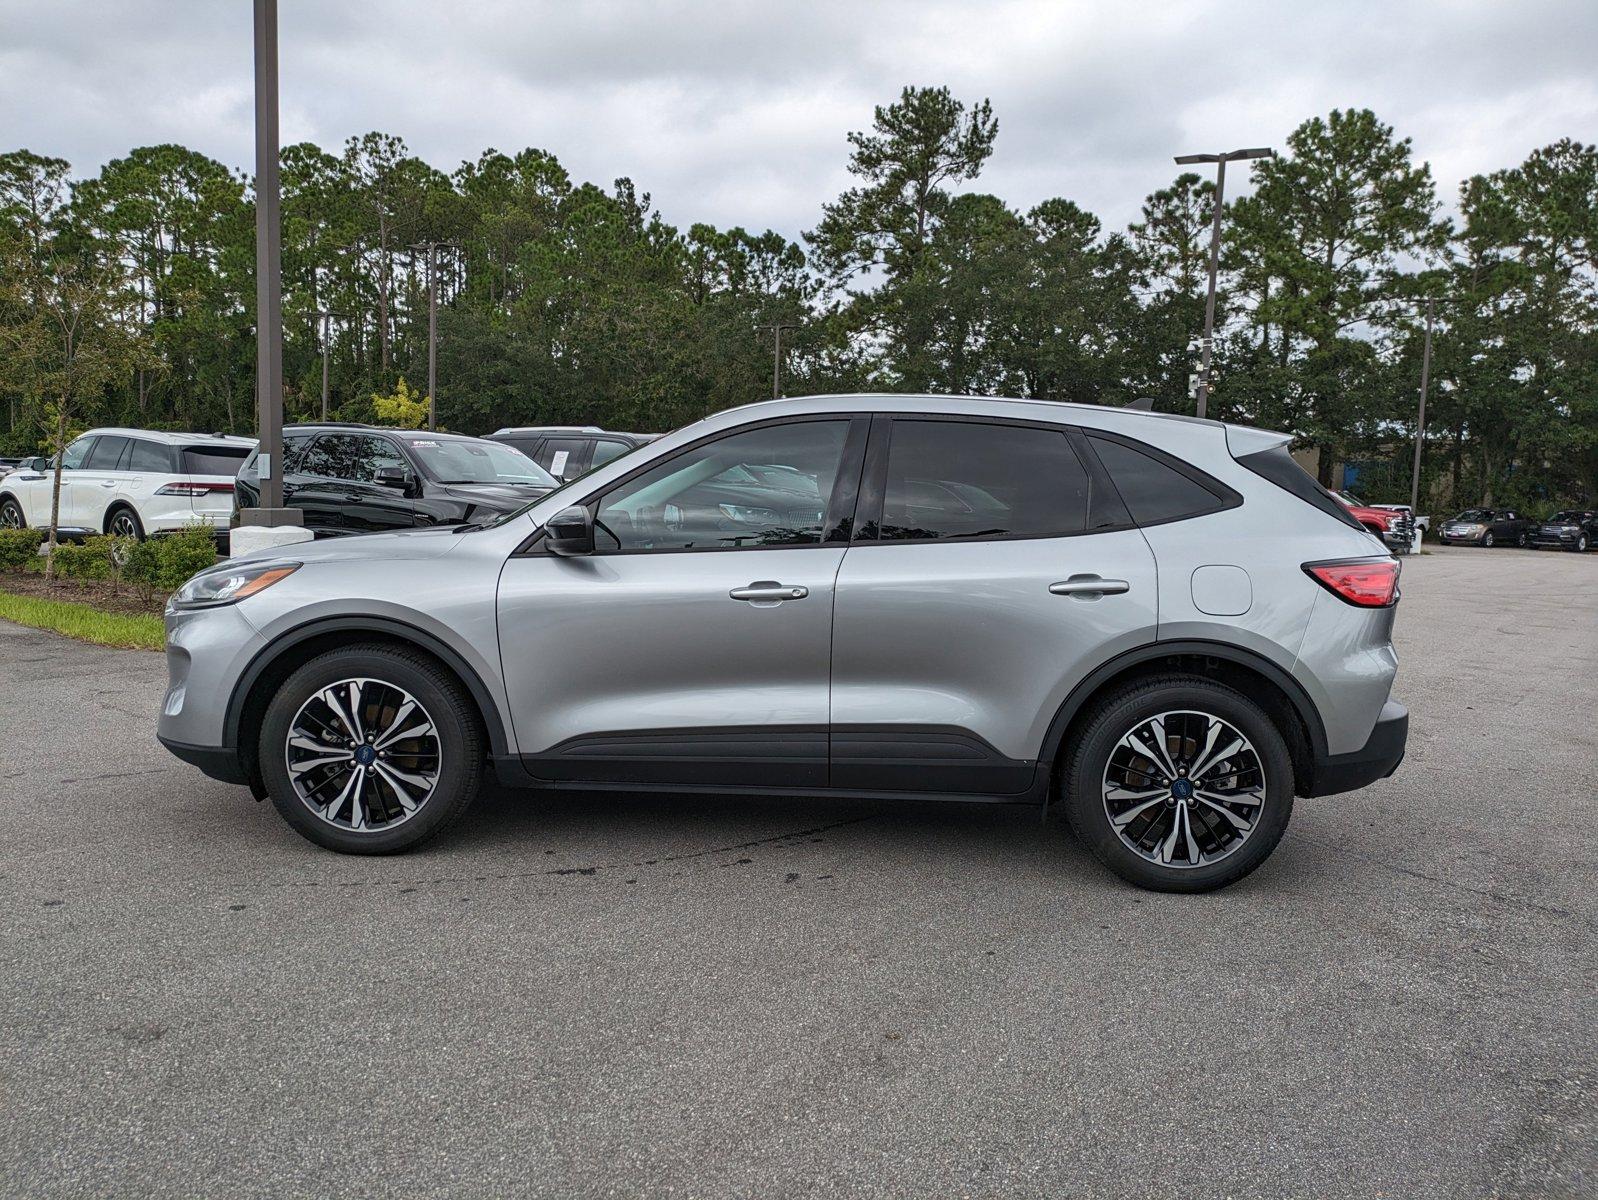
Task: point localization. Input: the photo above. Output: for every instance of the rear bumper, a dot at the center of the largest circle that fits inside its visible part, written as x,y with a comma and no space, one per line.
1376,759
219,762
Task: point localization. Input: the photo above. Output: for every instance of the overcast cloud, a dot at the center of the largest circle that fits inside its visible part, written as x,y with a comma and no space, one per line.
736,112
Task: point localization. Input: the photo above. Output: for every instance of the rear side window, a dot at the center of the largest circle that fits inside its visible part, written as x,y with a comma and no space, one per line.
955,479
1155,490
606,449
213,460
149,456
1277,465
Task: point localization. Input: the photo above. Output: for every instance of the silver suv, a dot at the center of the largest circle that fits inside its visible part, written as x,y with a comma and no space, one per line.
1162,625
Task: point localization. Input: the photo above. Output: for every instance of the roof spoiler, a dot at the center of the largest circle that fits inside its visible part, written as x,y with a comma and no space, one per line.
1241,440
1141,404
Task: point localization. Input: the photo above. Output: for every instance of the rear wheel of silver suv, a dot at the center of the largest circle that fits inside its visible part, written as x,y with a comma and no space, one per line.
370,749
1179,784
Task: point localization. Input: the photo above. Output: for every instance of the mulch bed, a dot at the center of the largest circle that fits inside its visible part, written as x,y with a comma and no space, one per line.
100,593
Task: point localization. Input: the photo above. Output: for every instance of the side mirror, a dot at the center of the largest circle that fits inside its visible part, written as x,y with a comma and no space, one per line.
570,532
394,477
37,463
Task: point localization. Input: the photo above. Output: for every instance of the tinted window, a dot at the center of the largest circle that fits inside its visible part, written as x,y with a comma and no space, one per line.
1278,465
606,449
106,454
458,461
148,456
356,456
1153,491
765,487
527,445
213,460
951,479
77,452
560,456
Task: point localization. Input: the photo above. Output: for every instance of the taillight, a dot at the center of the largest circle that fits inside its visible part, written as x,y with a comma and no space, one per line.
178,488
1365,583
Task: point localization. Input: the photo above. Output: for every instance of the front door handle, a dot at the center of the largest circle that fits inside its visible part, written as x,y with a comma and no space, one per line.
108,483
1089,585
768,591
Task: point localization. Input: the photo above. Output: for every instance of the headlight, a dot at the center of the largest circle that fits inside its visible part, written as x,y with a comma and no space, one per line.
227,585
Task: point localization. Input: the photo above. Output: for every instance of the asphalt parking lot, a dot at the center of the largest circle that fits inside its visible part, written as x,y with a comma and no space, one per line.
642,996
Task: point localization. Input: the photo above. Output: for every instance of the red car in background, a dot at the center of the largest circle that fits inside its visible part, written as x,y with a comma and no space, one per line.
1395,527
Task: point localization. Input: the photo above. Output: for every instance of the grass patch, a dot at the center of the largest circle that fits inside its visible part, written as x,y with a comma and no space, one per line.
138,631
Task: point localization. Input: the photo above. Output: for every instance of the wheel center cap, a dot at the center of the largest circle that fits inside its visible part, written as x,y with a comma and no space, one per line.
1182,789
366,756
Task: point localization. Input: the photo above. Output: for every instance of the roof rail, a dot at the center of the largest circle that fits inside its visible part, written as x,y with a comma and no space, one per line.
330,425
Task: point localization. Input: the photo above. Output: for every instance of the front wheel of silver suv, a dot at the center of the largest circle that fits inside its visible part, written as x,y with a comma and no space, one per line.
1179,784
371,749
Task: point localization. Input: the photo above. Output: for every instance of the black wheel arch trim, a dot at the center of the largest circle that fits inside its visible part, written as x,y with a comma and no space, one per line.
493,719
1153,653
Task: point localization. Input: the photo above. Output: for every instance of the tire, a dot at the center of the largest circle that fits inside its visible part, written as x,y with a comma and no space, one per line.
1522,540
124,522
1487,540
11,515
321,801
1581,543
1226,854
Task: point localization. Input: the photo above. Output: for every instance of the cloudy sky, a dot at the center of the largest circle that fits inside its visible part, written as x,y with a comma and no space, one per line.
736,112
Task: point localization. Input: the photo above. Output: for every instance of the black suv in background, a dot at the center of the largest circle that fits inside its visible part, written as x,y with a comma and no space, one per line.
1487,527
350,478
1572,529
567,451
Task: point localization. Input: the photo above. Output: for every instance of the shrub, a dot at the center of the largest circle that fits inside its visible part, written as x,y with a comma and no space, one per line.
89,560
19,548
165,563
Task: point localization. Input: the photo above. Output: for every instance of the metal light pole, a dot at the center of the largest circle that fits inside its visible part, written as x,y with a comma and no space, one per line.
432,328
1420,420
326,346
268,263
270,524
776,357
1220,161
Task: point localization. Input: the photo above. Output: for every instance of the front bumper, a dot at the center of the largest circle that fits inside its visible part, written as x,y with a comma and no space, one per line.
219,762
1563,541
1461,539
1376,759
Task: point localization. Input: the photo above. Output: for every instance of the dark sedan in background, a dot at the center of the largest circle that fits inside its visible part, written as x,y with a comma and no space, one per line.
1573,529
350,478
1487,527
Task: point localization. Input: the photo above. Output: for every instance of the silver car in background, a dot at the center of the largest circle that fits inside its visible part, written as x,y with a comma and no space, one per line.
1160,624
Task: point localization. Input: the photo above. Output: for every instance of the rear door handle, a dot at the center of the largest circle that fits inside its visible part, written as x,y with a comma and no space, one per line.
1089,585
769,591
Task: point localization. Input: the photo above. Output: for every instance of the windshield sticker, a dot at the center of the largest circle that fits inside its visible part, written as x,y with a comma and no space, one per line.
433,445
559,465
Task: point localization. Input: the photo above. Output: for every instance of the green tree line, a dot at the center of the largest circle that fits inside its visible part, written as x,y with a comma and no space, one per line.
129,296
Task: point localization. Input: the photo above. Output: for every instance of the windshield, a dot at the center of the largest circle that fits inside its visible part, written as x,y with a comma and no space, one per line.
1475,514
1568,515
456,460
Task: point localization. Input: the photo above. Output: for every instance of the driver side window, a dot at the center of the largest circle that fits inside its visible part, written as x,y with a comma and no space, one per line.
763,487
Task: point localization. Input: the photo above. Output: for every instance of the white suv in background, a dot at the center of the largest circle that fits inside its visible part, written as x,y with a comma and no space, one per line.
131,482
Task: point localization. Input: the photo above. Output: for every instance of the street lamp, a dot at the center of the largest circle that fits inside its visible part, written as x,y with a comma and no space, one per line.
776,357
1220,161
270,524
432,327
326,316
